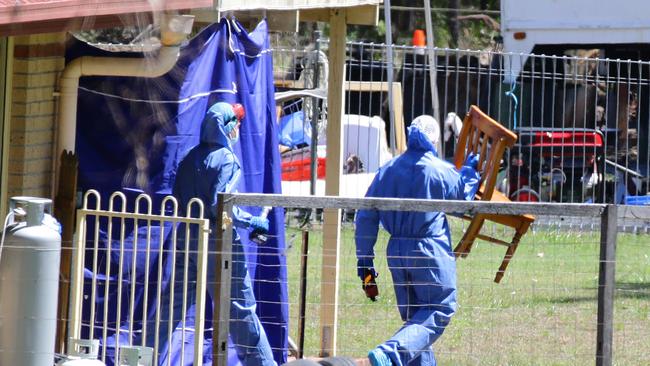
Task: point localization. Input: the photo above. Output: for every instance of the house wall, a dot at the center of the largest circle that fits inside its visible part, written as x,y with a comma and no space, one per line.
37,63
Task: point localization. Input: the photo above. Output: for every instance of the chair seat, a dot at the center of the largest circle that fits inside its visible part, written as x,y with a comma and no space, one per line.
504,219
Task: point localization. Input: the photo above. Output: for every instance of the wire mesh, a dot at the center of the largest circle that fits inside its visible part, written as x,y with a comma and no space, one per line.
548,298
581,118
632,292
302,121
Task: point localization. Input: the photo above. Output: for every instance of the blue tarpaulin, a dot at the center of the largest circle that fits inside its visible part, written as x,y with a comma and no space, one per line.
294,132
133,132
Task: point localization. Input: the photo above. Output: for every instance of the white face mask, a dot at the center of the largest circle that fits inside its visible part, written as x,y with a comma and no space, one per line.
232,131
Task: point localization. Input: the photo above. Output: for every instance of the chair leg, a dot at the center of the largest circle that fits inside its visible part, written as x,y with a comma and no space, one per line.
511,251
465,245
460,247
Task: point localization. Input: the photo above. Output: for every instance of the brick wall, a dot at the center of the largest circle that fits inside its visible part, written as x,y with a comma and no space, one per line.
38,62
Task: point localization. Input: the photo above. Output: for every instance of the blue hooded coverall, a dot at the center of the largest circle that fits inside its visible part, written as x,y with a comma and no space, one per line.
419,251
211,167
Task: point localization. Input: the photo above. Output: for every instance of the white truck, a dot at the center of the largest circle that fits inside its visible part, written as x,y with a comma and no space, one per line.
608,90
621,28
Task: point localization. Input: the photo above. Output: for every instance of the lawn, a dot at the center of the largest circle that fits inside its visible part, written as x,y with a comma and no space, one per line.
542,313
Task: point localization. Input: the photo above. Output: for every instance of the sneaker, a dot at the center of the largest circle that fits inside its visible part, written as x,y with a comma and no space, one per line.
377,357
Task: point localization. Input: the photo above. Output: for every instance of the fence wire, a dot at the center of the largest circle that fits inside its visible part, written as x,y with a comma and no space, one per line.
548,298
582,120
544,311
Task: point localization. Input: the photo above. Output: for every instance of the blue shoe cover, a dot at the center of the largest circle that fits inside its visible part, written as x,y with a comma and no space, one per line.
377,357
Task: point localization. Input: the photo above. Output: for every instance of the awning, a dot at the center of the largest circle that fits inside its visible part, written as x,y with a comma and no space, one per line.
228,5
43,16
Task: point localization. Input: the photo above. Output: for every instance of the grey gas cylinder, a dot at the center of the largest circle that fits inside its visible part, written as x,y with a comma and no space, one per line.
82,352
135,356
29,282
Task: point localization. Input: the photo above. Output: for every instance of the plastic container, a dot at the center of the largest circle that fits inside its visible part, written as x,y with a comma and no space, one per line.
637,200
300,169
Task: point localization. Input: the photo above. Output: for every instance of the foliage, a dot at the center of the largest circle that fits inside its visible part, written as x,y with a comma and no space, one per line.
474,33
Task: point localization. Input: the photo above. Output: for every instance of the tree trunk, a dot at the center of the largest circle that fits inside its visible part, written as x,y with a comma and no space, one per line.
453,23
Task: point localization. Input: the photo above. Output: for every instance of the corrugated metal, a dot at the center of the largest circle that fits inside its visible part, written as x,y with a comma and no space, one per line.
228,5
43,16
48,10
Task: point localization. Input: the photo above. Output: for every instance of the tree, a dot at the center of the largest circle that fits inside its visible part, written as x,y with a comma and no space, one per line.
452,19
473,29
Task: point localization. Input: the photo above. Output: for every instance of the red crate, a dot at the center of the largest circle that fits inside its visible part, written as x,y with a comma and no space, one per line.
566,144
299,169
567,139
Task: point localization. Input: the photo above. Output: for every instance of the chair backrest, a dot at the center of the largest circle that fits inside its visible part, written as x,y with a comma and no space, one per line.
487,137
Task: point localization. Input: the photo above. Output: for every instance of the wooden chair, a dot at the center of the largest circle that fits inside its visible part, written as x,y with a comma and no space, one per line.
481,134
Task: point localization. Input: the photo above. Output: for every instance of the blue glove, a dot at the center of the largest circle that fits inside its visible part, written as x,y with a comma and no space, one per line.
259,224
471,160
470,177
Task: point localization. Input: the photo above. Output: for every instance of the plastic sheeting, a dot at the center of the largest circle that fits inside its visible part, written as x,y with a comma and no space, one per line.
294,132
133,132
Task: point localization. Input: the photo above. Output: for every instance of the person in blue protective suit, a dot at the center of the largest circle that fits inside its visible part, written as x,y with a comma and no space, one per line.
419,252
210,168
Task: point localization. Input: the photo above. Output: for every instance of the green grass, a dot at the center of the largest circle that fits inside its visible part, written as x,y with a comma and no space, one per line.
542,313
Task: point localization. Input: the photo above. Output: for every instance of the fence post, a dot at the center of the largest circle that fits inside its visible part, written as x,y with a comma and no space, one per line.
223,260
201,288
606,285
389,76
334,167
303,293
64,210
313,175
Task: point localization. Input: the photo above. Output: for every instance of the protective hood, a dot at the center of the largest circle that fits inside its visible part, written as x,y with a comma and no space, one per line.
419,141
214,123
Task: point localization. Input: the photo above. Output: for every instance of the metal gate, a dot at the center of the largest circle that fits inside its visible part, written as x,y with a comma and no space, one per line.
119,257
